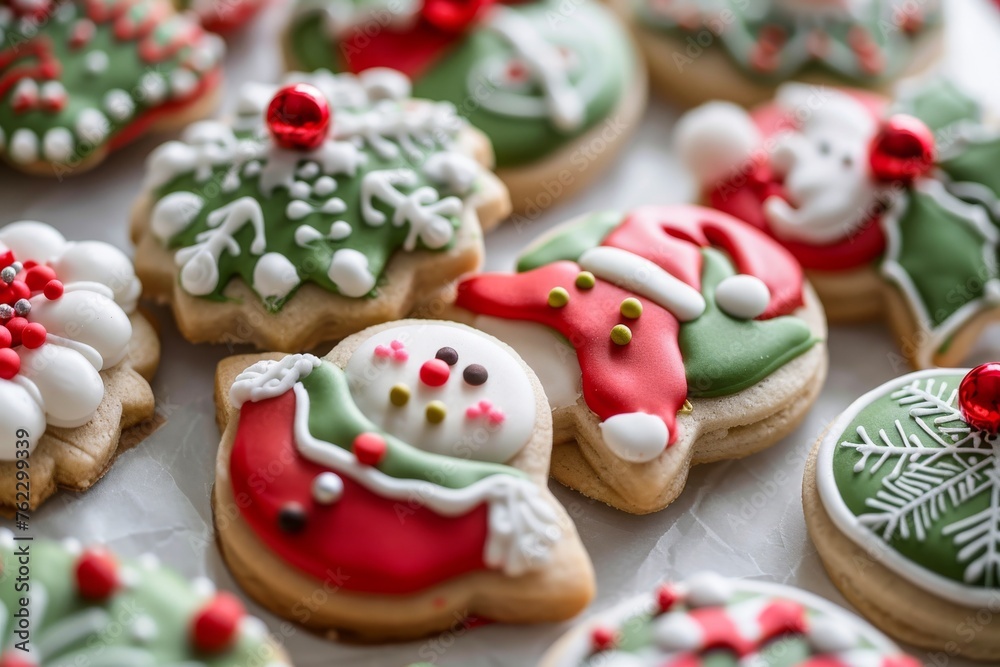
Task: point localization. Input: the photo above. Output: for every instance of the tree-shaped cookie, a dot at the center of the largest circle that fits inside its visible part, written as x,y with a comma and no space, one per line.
325,206
80,78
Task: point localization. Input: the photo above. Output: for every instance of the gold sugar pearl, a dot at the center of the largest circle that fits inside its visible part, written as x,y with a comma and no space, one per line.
631,308
399,394
558,297
585,280
436,412
621,334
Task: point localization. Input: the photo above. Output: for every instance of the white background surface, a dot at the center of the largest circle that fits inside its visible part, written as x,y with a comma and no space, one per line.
742,518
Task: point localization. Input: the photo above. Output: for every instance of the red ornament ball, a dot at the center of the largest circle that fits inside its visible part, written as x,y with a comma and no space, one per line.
299,117
53,290
369,448
979,397
96,574
434,372
902,150
10,363
38,276
33,335
666,597
216,626
603,638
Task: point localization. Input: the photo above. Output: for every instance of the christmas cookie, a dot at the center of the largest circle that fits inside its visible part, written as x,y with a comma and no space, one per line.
902,499
327,205
63,604
80,78
891,206
711,620
221,16
664,337
75,362
557,88
700,50
412,485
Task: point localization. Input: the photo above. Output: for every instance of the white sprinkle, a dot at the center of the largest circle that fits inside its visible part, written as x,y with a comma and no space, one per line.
339,230
58,144
324,186
24,146
327,488
97,62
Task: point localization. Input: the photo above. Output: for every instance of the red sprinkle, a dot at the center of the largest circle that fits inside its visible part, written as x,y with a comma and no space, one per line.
369,448
434,373
33,336
216,626
96,574
10,363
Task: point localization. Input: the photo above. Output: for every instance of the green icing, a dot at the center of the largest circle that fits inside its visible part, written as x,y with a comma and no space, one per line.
723,355
570,241
977,163
603,64
921,483
940,104
334,418
159,594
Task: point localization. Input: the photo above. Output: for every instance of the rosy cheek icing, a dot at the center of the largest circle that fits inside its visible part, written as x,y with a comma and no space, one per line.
485,409
395,350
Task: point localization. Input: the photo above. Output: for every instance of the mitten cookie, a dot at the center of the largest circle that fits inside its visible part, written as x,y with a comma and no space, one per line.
664,337
711,620
558,89
63,604
902,499
80,78
891,206
700,50
75,362
222,16
347,206
404,474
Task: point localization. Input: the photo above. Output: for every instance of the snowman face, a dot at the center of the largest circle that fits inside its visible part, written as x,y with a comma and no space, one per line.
444,389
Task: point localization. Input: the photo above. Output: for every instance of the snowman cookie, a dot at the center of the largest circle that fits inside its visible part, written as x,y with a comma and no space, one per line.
66,604
75,362
664,337
329,204
221,16
901,498
558,88
709,619
700,50
411,485
892,206
80,78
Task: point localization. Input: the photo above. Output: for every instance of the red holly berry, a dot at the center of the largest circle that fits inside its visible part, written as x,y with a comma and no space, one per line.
902,150
298,117
10,363
96,574
38,276
666,597
434,372
16,326
369,448
216,626
603,638
33,336
12,659
6,258
979,397
19,290
5,338
53,290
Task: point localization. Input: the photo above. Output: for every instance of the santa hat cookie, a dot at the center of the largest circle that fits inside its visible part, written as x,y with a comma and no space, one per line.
412,487
709,618
557,89
330,203
891,206
80,78
901,499
700,50
86,606
222,16
631,322
75,362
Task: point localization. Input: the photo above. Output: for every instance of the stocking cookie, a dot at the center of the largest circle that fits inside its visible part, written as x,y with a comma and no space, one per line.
902,497
412,486
891,206
708,619
700,50
221,16
327,205
663,337
75,362
557,89
80,78
63,604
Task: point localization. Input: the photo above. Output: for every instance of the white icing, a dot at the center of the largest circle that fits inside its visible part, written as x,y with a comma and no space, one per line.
743,296
422,208
715,142
24,146
707,589
86,318
270,379
507,388
455,171
175,213
199,263
349,272
96,62
58,145
70,387
382,83
390,126
101,263
183,83
33,240
274,276
19,409
92,126
339,231
677,631
153,87
327,488
636,437
119,104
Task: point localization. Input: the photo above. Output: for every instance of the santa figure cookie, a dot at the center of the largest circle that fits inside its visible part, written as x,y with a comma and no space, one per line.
328,204
664,337
891,206
708,619
412,485
81,78
700,50
558,89
66,604
75,362
902,499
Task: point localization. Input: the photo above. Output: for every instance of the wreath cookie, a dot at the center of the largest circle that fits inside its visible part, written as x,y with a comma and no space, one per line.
699,50
63,604
80,78
557,88
711,620
664,337
902,499
347,206
892,207
412,487
75,362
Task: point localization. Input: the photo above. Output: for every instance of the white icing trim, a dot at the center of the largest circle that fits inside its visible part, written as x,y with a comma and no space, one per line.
199,263
423,208
270,379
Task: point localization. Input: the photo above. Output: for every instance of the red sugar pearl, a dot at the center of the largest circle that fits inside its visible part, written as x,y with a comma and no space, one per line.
53,290
603,638
38,276
33,336
16,327
369,448
96,574
979,397
5,338
216,626
19,290
434,372
10,363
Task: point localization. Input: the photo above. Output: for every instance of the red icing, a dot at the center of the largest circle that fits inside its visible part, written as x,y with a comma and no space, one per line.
360,543
96,575
216,626
979,397
603,638
15,659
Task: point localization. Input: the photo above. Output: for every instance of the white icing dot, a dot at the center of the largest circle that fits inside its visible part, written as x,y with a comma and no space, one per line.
339,230
203,587
129,577
231,181
707,589
384,83
119,104
144,629
183,82
72,546
308,170
154,87
324,186
148,561
58,144
252,168
97,62
349,272
274,276
677,631
53,92
327,488
253,628
298,209
635,436
24,146
174,213
743,296
6,538
299,190
828,636
92,126
456,172
305,235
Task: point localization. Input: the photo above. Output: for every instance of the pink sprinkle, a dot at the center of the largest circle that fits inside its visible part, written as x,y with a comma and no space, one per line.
397,344
472,412
496,417
382,351
401,355
485,406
